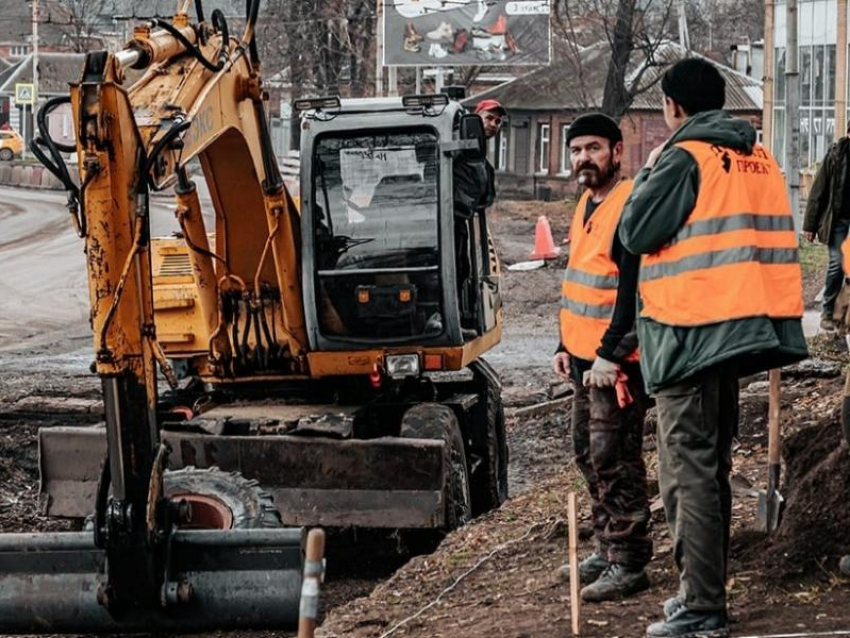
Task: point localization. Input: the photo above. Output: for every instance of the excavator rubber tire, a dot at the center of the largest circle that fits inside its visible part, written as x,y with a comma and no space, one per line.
250,507
435,421
490,481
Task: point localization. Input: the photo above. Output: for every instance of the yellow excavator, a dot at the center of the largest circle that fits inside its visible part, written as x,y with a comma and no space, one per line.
273,370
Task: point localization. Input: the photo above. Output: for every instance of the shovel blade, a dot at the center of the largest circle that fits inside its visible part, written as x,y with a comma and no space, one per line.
769,512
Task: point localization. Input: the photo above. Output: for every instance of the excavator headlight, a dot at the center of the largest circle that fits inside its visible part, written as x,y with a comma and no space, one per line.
424,101
402,365
317,103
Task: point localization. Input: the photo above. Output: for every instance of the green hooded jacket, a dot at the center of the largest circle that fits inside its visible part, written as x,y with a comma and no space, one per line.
660,204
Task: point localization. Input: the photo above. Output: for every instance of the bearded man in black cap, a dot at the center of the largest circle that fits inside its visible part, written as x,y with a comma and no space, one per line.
598,352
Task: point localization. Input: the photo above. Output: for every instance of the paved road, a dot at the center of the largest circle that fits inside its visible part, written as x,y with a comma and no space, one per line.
43,290
42,269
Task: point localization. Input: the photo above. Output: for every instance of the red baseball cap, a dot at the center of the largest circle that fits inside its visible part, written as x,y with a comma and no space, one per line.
491,105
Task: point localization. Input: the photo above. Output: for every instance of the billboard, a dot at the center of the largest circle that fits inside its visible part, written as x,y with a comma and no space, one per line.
466,32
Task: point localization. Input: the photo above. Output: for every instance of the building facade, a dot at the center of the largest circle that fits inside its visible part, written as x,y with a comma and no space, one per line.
817,38
530,153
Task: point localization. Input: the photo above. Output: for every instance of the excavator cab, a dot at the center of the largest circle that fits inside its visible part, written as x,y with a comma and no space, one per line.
383,261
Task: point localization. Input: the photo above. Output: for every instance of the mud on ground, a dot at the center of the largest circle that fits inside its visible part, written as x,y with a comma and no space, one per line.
496,576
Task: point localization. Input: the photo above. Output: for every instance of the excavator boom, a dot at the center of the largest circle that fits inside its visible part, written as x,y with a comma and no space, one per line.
142,566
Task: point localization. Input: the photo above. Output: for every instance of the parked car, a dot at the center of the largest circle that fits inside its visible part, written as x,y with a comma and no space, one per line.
11,145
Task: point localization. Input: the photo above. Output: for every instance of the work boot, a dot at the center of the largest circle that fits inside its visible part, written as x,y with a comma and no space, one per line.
671,606
589,569
685,623
616,582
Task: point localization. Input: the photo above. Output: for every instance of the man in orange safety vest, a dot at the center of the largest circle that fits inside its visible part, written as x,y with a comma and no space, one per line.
598,352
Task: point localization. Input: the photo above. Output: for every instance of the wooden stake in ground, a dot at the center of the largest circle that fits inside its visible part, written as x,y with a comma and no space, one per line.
314,569
575,601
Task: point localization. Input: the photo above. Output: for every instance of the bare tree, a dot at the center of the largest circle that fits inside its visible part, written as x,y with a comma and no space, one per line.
716,25
82,22
630,31
326,45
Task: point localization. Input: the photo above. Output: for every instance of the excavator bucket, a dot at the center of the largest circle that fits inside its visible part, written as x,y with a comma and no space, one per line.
314,481
219,579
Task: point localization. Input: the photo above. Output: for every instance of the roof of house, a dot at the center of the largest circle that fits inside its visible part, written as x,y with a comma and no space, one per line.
55,72
576,82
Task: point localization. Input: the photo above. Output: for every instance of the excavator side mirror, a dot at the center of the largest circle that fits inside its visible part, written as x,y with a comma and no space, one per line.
472,128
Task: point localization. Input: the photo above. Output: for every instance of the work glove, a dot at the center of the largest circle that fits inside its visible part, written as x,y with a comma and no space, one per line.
603,374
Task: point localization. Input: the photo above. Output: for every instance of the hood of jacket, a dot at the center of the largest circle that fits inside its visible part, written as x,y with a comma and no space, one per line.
717,127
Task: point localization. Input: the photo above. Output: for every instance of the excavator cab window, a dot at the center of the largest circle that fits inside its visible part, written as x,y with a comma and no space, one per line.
377,242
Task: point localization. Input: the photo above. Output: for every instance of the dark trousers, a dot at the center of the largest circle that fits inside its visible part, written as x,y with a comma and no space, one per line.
608,446
834,270
697,419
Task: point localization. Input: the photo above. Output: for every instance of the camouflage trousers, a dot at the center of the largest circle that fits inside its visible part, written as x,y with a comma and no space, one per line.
608,446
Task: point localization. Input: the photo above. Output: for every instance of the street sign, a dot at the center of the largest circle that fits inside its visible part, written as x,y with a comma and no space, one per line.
24,94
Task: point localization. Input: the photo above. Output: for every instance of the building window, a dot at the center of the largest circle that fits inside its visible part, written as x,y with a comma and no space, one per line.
501,154
566,166
543,148
19,50
817,95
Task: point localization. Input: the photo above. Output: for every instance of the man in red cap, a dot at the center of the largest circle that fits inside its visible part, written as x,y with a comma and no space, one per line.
492,114
474,192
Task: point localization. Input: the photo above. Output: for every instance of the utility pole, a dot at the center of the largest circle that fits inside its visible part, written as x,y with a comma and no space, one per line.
31,120
684,37
769,64
379,50
841,72
792,110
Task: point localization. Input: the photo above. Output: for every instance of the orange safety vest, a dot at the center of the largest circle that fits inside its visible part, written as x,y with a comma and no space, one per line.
589,289
736,256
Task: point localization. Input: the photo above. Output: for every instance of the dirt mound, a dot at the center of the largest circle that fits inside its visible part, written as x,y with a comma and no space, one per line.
815,528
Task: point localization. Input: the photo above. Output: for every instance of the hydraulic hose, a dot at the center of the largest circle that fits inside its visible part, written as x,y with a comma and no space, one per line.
56,163
252,11
219,24
178,127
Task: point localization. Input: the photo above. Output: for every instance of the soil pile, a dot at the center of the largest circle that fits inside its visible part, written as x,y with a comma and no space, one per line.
816,523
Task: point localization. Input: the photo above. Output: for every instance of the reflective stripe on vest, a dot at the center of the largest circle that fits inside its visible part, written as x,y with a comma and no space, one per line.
589,289
736,256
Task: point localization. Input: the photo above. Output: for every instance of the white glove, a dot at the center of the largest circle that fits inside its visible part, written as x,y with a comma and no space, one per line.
603,374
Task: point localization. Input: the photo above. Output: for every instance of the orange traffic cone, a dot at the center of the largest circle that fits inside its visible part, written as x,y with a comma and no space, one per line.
544,245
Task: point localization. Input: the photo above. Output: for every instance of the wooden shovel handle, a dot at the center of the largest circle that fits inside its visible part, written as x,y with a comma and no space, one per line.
774,435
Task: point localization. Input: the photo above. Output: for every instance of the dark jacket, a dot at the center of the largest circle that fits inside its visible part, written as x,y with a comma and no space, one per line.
828,191
474,184
660,204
